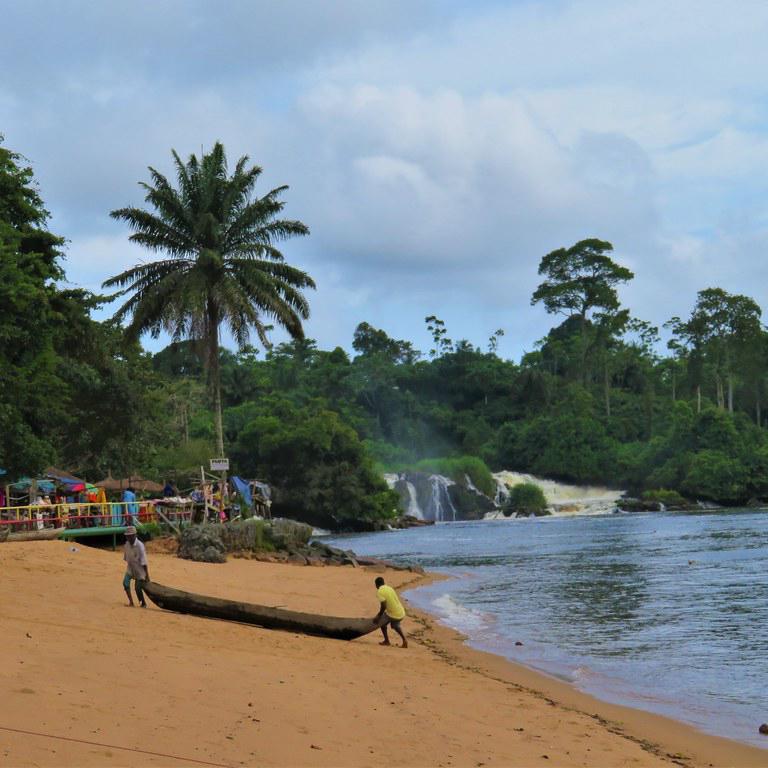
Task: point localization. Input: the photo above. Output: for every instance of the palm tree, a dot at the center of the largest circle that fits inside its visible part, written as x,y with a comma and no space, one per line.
222,266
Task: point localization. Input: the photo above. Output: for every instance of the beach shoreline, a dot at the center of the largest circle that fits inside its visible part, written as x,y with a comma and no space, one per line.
91,682
658,734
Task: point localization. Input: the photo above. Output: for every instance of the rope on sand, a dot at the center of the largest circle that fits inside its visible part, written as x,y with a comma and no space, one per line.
111,746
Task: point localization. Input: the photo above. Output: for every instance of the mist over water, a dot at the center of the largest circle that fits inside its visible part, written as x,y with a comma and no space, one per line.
665,612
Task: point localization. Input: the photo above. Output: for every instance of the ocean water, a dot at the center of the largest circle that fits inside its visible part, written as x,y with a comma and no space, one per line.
666,612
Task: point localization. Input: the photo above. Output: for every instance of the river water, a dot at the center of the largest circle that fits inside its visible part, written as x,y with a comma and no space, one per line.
666,611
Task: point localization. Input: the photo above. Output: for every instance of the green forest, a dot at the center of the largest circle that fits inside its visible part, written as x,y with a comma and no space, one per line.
600,400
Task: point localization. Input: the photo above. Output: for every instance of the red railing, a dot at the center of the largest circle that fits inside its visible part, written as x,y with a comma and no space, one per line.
88,515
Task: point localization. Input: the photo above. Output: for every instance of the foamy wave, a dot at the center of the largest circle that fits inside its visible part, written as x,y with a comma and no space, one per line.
458,615
581,673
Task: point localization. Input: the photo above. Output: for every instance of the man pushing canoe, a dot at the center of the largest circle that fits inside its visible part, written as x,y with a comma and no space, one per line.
136,567
391,611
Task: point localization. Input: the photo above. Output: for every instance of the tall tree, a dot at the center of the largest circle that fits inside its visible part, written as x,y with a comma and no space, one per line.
581,280
222,266
723,330
31,393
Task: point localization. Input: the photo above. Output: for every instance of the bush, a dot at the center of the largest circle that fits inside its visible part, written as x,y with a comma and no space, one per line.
664,496
319,469
526,499
148,531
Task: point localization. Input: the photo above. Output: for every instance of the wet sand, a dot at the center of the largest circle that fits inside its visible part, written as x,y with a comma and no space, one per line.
87,681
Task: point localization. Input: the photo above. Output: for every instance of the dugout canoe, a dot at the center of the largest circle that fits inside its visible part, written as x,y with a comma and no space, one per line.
261,615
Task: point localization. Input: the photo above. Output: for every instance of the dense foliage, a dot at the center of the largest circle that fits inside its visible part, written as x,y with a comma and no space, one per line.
71,391
595,402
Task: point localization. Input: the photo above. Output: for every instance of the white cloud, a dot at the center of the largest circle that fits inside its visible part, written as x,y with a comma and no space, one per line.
436,150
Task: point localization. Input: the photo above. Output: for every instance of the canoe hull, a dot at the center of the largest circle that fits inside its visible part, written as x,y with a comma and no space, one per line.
261,615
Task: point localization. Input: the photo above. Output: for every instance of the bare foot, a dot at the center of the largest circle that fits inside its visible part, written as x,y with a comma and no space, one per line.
128,605
385,642
405,644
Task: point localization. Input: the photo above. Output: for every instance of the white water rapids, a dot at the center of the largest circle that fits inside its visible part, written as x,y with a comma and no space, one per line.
434,501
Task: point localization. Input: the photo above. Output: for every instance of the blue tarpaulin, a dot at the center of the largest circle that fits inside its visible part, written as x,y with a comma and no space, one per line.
242,487
25,483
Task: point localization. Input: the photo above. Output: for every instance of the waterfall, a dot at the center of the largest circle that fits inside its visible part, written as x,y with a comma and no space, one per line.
502,493
564,499
440,504
414,510
428,496
407,491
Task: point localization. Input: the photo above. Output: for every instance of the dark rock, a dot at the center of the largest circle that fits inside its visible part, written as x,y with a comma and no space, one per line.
517,642
202,543
638,505
408,521
469,505
213,555
763,728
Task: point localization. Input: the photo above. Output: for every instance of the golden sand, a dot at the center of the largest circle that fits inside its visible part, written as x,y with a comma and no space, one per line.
86,681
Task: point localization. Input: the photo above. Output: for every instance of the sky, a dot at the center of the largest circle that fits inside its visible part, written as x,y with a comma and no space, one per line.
437,149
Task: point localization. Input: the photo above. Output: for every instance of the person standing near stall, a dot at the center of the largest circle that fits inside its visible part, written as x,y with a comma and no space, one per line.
131,509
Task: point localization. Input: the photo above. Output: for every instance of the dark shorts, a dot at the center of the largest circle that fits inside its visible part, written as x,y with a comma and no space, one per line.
389,620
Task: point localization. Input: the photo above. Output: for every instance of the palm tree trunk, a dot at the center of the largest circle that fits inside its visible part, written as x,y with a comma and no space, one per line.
215,378
214,375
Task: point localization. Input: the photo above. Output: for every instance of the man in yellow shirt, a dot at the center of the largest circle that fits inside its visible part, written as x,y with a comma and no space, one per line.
391,611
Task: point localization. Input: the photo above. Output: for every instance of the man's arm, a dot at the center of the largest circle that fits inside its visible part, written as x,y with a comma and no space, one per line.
382,608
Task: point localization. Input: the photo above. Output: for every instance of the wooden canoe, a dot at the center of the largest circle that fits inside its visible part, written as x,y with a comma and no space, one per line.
261,615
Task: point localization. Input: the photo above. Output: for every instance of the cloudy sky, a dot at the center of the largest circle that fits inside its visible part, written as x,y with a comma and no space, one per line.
437,149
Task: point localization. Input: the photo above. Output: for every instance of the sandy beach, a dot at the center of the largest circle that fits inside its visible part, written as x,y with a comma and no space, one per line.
87,681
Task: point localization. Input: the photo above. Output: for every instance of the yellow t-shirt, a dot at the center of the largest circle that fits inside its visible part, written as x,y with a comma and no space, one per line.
394,608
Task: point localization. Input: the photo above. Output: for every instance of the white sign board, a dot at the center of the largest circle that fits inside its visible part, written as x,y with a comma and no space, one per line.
219,465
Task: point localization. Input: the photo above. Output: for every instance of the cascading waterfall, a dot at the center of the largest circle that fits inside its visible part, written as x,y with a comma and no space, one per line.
427,497
440,503
407,491
414,510
502,493
564,499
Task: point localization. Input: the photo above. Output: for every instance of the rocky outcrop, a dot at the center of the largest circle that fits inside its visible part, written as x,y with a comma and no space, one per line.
470,503
210,543
274,541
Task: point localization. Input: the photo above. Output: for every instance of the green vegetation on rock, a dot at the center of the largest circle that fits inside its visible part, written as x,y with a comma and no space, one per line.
526,499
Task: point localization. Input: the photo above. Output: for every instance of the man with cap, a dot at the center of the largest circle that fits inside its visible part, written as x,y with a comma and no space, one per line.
135,557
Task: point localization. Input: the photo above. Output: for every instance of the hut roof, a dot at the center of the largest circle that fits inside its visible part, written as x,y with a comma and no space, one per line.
134,481
60,474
